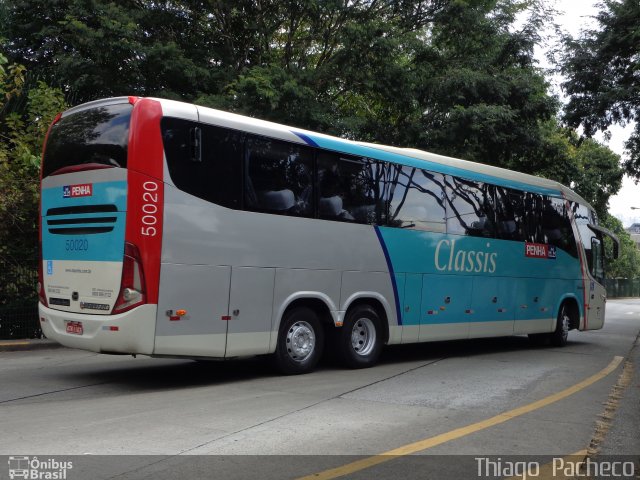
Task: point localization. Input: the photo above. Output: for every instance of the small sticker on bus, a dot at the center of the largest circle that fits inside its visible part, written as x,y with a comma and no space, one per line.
95,306
540,250
79,190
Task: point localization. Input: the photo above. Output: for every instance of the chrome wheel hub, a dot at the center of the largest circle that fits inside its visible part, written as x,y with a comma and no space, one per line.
363,336
301,341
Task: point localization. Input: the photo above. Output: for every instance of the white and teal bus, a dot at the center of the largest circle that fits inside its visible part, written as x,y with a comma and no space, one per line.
173,230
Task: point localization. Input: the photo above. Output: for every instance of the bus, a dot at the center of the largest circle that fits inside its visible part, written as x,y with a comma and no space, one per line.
173,230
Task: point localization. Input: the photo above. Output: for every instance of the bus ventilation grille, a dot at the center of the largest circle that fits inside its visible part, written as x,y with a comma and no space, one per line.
81,219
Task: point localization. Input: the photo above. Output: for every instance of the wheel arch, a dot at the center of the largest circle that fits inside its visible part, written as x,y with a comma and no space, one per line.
575,313
375,301
317,301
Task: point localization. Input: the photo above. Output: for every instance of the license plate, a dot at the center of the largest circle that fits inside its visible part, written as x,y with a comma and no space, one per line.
74,327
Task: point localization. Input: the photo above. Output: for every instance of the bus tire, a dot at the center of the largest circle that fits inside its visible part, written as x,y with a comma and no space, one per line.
360,338
300,341
559,336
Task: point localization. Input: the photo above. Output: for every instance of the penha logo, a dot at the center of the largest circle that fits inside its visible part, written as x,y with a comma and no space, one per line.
81,190
540,250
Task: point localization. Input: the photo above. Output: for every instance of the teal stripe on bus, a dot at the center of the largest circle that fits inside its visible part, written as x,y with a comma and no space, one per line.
64,239
350,148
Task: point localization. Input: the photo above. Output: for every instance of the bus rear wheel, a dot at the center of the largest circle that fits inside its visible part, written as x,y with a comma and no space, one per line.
360,339
300,341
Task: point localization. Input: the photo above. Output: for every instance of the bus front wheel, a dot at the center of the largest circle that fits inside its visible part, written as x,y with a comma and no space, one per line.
360,339
560,335
300,341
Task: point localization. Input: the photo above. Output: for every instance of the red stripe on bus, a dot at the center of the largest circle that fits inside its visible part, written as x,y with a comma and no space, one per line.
145,195
579,244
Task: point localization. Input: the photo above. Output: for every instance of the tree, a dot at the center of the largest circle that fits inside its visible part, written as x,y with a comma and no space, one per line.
27,107
628,263
484,98
451,77
601,67
96,49
456,78
599,174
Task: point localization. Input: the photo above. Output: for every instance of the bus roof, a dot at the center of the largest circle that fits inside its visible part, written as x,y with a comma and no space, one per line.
406,156
485,169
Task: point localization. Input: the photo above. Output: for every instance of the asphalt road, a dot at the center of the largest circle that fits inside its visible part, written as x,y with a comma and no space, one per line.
422,404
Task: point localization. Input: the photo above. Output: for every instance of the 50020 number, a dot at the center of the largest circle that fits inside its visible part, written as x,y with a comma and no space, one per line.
76,245
149,209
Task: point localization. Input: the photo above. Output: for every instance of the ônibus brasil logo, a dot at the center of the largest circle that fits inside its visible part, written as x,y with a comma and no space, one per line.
80,190
37,469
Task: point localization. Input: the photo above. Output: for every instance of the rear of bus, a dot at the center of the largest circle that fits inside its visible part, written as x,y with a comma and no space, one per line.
100,226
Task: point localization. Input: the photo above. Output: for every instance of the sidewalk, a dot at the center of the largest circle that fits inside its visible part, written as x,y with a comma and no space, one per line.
623,438
27,344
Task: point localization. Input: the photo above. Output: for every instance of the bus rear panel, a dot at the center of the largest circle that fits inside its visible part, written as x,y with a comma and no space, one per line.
93,261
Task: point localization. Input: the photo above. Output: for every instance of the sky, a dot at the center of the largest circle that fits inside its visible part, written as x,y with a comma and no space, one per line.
574,16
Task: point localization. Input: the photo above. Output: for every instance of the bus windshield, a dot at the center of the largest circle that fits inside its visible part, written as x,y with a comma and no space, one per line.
88,139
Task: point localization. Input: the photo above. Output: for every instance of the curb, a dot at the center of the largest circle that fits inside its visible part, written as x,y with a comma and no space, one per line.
27,344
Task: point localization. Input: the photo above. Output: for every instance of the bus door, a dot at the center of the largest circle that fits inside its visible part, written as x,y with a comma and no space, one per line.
595,295
534,305
193,310
250,308
446,307
410,290
493,303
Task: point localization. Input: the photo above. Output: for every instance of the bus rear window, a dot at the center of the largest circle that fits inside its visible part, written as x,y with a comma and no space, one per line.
94,138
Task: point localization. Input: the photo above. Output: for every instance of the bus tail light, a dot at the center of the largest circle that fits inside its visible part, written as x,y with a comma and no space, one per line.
41,295
132,287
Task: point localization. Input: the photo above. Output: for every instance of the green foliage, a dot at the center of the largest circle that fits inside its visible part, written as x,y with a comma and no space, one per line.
25,114
453,77
591,169
98,48
602,68
599,174
628,263
484,98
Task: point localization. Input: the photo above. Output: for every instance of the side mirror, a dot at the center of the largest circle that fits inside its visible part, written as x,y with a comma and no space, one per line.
612,236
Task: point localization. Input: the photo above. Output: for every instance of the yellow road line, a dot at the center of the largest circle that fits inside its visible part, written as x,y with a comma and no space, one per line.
11,344
463,431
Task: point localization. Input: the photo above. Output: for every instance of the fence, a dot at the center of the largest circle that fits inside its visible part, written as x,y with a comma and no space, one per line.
18,297
623,287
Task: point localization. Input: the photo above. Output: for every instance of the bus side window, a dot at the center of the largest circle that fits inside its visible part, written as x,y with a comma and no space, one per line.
278,177
510,214
533,218
222,156
413,198
582,217
597,262
470,209
216,177
347,188
557,226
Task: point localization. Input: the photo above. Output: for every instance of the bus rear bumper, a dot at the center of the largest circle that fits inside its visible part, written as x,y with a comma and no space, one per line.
129,332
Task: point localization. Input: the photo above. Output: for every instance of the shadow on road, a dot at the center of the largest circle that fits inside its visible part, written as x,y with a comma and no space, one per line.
144,374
